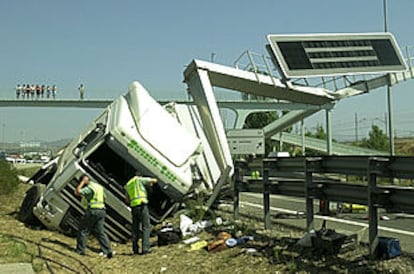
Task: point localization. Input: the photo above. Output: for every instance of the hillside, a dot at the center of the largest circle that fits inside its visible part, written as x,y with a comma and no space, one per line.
404,146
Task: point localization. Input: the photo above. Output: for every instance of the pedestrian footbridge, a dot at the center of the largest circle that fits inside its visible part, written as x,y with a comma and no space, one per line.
320,145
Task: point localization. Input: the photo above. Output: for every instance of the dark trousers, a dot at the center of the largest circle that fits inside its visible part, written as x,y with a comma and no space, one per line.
93,221
140,218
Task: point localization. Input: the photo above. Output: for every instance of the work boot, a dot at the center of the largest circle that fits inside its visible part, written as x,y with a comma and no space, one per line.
109,255
149,251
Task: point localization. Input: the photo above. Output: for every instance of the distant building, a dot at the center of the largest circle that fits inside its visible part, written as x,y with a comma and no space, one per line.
29,144
15,159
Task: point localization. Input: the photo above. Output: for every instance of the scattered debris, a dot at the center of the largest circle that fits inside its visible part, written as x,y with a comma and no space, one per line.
232,242
384,218
187,226
388,248
198,245
306,240
168,235
325,241
219,243
191,240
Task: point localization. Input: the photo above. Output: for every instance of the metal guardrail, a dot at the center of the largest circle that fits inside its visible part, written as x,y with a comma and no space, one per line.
308,183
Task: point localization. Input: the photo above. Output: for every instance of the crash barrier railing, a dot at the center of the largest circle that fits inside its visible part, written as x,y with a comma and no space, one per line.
300,176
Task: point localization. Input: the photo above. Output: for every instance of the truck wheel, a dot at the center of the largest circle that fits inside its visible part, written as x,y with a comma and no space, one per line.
30,200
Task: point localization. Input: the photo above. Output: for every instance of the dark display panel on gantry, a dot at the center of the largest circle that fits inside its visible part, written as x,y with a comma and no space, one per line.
313,55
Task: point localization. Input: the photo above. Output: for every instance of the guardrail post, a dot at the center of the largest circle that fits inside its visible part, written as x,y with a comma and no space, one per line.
236,200
309,196
266,197
372,210
237,178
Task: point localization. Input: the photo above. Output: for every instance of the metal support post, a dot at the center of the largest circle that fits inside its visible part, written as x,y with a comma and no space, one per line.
302,131
390,122
309,198
281,141
372,211
328,132
266,197
236,198
224,177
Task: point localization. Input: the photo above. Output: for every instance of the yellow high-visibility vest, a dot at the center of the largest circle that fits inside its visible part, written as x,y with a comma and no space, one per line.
97,200
136,191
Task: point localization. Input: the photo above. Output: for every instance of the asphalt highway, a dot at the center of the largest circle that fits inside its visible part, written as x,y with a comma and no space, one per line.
291,211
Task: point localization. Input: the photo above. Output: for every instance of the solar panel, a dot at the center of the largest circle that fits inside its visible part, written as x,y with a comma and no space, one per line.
312,55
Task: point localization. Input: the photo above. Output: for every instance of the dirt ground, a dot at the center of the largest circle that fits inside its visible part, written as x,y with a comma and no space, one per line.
270,252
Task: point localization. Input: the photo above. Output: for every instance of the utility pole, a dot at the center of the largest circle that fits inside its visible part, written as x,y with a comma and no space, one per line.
386,123
356,127
385,15
3,129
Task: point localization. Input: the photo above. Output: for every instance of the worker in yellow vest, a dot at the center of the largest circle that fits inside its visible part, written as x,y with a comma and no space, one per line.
137,198
93,199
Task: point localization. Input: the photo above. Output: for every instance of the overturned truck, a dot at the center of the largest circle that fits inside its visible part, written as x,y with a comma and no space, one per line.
135,132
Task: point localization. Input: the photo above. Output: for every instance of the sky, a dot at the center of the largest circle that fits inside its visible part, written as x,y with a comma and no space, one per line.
108,44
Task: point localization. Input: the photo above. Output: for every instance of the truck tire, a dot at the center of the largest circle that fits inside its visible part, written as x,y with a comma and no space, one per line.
30,200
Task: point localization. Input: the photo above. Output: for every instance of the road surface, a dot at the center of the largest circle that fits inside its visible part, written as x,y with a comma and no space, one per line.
288,210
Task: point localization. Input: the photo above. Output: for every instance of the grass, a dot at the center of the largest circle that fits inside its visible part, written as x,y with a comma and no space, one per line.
8,178
11,248
27,171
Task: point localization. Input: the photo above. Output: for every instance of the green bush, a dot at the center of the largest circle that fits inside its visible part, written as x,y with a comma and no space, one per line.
8,178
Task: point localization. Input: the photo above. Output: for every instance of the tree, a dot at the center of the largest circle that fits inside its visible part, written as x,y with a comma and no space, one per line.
377,139
319,134
260,120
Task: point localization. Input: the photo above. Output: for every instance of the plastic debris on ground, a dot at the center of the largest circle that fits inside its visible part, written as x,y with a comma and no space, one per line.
198,245
219,243
388,248
232,242
168,234
384,218
188,227
191,240
324,241
306,240
251,250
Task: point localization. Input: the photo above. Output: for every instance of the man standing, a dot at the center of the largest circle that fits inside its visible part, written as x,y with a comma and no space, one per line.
81,91
54,89
18,90
138,200
93,197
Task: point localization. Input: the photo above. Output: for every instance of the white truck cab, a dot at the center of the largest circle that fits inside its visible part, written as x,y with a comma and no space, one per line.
134,133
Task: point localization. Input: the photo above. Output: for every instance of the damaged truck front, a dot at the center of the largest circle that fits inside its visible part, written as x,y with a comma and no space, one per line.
133,133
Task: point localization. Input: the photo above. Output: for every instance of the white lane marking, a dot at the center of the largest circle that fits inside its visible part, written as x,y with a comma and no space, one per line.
388,229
